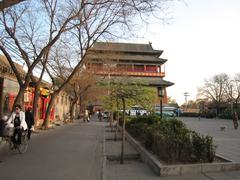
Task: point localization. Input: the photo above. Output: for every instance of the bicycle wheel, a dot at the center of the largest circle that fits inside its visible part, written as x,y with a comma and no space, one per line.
9,144
22,148
1,140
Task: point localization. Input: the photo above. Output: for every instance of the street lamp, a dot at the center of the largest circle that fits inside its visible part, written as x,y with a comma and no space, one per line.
161,95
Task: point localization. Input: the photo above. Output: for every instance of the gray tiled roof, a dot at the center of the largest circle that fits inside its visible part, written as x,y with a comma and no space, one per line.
148,81
125,57
125,47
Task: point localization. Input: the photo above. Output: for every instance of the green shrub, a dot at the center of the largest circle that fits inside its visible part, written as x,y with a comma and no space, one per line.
151,119
210,114
203,149
189,114
171,140
227,114
207,114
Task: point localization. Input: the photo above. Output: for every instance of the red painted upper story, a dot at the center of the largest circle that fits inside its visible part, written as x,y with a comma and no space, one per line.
125,59
127,69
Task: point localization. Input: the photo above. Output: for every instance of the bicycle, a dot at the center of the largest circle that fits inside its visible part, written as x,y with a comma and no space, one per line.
21,148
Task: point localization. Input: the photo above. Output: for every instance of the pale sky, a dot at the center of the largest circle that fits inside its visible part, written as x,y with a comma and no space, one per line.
202,40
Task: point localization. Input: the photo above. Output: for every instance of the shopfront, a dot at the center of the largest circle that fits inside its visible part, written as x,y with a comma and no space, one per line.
10,89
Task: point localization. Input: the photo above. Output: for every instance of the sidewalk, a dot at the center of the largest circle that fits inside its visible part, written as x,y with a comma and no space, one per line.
4,145
71,152
135,169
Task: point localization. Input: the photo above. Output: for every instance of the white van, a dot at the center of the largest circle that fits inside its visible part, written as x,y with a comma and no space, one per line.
137,110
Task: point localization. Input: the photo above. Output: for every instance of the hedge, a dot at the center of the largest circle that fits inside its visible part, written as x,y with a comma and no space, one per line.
204,114
171,141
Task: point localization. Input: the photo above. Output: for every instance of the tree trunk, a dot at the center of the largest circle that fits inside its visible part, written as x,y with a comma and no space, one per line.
73,103
217,109
111,117
111,120
35,102
19,98
8,3
80,106
50,105
123,134
236,104
37,88
115,136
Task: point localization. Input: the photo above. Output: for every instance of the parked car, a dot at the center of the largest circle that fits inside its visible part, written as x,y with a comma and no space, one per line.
106,115
137,110
166,113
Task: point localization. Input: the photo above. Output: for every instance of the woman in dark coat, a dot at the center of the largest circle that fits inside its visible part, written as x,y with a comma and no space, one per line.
235,120
29,120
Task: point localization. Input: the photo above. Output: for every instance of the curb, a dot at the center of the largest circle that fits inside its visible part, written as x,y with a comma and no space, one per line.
126,157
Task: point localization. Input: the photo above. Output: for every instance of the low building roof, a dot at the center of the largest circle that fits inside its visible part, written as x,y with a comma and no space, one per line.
145,81
5,64
125,58
125,47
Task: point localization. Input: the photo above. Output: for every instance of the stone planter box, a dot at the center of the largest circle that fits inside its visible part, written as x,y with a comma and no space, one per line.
180,169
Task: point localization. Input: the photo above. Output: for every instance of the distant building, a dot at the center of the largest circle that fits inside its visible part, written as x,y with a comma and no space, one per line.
137,62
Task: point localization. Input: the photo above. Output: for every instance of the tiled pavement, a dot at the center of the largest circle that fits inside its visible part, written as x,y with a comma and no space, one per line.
227,141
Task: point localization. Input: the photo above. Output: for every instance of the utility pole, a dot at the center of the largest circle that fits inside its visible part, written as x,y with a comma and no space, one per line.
186,94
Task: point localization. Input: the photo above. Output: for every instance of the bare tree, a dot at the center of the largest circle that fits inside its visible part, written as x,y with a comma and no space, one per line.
100,20
126,92
233,91
214,90
80,86
8,3
28,39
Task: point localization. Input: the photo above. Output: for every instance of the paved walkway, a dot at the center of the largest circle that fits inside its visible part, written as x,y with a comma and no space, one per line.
227,141
69,152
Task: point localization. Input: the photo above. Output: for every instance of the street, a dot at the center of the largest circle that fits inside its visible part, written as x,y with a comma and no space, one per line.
70,152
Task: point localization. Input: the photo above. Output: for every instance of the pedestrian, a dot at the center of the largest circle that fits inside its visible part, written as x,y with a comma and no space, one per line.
100,115
66,118
86,116
199,115
29,118
178,112
17,120
235,120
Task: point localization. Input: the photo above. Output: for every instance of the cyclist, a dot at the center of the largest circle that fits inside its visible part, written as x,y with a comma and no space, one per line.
17,120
